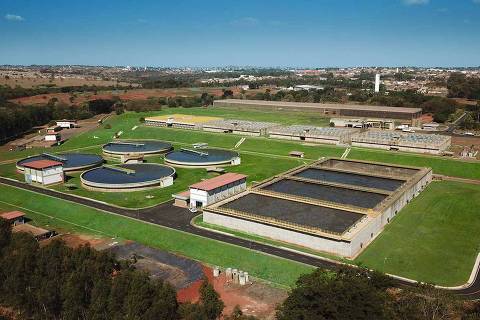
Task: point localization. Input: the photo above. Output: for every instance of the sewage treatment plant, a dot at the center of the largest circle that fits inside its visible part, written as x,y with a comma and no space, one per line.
336,206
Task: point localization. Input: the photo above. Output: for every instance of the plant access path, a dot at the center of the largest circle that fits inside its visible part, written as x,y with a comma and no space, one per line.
169,216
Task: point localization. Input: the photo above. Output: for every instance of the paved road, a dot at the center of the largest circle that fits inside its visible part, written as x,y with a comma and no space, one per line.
178,218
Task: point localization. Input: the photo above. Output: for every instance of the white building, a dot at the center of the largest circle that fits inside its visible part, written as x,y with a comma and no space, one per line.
377,82
52,137
216,189
66,123
45,172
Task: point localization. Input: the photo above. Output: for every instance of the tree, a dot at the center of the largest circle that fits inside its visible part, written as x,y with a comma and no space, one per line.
210,301
5,233
345,294
227,93
424,302
237,314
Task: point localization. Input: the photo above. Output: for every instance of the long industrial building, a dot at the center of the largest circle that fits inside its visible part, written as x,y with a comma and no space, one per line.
410,116
400,141
333,205
313,134
242,127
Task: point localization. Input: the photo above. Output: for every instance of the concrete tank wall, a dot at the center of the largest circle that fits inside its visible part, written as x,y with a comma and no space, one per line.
317,243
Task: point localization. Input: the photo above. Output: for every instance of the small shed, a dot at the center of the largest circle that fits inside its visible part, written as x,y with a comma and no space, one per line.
296,154
14,217
45,172
68,124
53,137
39,233
53,129
182,199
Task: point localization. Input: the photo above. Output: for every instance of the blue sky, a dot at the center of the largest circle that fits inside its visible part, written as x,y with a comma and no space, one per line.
247,32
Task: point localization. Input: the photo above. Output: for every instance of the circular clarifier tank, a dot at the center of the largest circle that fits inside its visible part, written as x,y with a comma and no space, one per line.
125,177
202,157
136,147
71,161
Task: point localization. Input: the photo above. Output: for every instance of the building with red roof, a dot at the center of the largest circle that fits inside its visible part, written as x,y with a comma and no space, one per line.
216,189
45,172
14,217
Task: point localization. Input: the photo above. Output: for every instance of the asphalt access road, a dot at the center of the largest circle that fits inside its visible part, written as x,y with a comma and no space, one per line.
177,218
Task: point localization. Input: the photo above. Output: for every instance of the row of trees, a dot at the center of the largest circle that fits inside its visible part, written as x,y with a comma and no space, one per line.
7,92
441,108
58,282
16,120
361,294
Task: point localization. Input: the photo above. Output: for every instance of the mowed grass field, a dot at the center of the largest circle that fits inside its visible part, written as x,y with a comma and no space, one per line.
56,213
261,157
254,145
434,239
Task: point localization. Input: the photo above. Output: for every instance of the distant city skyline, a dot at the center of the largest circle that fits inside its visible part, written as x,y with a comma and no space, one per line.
304,33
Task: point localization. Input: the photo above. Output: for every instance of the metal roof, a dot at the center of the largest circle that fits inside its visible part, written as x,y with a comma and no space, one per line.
12,215
217,182
42,164
338,106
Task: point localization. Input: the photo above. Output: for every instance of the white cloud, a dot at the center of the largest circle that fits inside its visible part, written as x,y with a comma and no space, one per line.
13,17
416,2
245,22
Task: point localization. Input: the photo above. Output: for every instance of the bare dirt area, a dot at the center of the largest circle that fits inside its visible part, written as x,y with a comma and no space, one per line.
126,95
77,240
459,143
426,118
27,80
256,298
469,102
36,138
178,271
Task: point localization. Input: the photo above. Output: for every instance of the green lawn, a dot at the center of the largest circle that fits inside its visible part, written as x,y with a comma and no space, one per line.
89,141
77,218
440,165
434,239
257,168
287,117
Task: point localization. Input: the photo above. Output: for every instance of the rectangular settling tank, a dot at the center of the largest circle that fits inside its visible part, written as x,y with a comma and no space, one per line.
353,179
327,219
371,168
338,195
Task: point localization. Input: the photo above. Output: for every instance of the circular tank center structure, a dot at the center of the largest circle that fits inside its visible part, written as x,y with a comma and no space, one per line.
136,147
202,157
128,177
71,161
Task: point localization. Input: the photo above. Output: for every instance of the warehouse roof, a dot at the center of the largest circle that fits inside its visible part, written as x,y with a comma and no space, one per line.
12,215
218,182
338,106
42,164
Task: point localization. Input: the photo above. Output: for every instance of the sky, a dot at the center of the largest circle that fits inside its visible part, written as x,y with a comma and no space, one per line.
268,33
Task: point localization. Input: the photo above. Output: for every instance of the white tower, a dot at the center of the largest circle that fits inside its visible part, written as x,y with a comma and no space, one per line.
377,82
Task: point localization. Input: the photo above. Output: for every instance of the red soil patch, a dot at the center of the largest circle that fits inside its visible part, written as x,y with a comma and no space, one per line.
130,95
426,118
254,299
